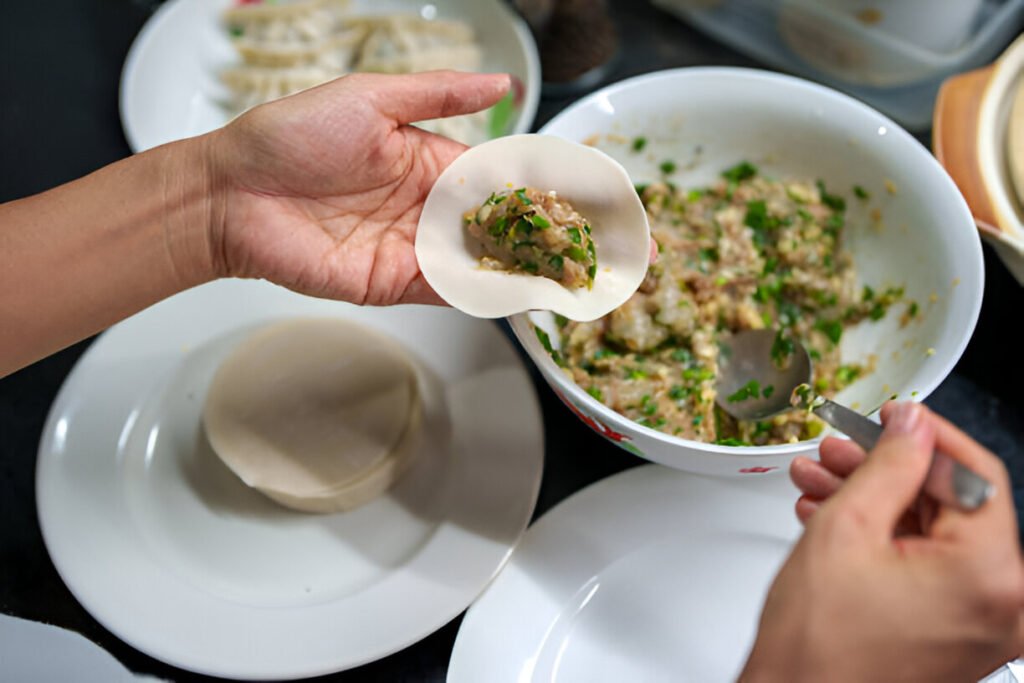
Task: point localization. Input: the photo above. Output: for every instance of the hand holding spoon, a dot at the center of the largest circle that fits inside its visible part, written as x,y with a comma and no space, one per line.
747,360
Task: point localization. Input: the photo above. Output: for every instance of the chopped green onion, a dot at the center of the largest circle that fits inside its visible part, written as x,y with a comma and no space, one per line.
833,329
596,393
835,222
708,254
576,254
861,192
498,227
782,348
556,262
539,221
846,374
832,201
545,340
574,235
739,172
751,389
759,220
731,441
668,167
699,374
681,355
639,144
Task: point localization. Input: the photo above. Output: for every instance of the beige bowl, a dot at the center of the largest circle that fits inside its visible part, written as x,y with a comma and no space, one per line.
979,138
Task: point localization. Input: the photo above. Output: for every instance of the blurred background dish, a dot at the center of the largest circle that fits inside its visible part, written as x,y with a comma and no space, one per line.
190,70
979,138
578,42
893,54
941,26
913,231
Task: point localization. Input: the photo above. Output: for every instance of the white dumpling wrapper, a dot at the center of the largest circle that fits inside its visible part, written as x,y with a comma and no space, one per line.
596,185
318,414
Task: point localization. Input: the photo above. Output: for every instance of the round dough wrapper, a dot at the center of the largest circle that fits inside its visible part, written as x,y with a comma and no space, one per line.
595,184
318,414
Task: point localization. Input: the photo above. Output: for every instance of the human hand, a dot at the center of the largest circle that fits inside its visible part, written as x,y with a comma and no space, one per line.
321,191
870,593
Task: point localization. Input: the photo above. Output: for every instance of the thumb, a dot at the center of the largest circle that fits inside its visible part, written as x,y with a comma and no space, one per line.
436,94
890,479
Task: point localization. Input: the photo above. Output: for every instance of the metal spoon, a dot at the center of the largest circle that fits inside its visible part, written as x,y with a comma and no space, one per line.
760,389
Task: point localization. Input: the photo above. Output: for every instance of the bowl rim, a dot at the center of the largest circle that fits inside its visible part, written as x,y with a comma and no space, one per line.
521,324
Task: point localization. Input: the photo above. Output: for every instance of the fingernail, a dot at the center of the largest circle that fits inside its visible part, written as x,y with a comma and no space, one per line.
904,418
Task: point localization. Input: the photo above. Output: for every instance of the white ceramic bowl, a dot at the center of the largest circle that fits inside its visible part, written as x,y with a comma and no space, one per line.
713,118
170,87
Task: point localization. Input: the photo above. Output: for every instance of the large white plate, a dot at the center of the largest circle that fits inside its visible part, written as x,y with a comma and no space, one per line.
651,575
170,87
171,552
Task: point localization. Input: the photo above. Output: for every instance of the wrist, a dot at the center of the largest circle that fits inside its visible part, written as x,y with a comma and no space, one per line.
193,193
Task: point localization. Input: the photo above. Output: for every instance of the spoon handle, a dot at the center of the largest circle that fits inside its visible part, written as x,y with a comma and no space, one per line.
948,482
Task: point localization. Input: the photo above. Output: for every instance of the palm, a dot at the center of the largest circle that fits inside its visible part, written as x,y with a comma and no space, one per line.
328,199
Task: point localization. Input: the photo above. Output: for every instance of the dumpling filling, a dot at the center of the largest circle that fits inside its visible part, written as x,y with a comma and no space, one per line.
530,231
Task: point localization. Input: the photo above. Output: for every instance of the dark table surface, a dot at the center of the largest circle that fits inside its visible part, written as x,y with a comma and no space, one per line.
60,64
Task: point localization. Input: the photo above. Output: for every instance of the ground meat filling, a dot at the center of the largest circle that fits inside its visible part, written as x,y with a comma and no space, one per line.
531,231
748,252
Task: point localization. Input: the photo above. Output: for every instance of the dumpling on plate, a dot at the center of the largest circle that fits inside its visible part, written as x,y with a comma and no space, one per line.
552,184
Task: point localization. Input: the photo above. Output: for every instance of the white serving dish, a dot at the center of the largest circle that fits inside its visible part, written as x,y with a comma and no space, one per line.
794,128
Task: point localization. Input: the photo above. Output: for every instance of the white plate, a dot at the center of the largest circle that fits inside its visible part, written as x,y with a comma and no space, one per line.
170,88
171,552
31,651
651,575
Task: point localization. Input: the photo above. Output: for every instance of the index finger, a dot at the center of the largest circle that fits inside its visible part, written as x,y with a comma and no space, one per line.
408,98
